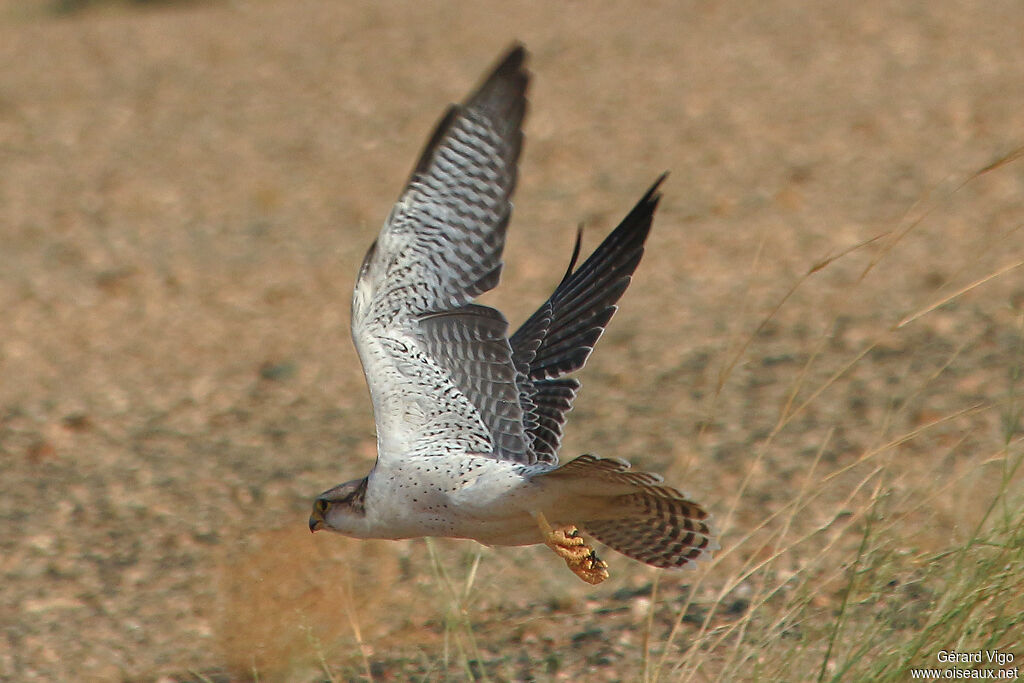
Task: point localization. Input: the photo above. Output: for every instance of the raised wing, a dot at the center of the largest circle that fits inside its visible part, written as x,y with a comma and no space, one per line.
559,337
441,245
439,368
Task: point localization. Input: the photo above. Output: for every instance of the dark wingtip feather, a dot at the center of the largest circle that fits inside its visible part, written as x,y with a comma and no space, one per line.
572,319
652,194
512,62
575,255
505,86
502,92
647,204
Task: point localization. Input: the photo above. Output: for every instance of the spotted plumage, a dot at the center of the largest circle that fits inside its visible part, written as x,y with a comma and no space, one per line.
469,419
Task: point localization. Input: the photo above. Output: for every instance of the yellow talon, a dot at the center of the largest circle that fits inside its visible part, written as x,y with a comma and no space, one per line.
568,544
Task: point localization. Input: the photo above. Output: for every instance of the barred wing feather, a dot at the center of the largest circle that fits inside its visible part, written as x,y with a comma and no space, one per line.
439,368
560,336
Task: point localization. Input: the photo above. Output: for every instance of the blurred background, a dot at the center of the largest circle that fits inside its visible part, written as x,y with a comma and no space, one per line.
186,192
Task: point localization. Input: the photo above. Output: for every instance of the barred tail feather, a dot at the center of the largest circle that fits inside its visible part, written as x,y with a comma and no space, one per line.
665,532
642,518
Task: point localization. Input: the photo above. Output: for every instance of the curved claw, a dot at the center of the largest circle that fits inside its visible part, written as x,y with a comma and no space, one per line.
568,544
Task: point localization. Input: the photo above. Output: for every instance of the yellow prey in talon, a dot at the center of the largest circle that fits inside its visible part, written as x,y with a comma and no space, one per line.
570,546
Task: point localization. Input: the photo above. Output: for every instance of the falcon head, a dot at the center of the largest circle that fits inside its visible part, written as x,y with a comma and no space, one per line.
341,509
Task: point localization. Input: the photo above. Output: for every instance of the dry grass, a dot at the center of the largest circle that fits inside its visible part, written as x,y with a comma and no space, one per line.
880,582
824,343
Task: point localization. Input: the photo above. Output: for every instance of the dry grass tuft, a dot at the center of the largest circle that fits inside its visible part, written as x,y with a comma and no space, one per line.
911,542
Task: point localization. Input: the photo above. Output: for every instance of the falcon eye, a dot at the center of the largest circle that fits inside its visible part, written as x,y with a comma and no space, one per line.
321,505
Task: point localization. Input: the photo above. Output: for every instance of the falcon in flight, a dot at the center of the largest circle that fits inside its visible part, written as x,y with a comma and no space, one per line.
469,419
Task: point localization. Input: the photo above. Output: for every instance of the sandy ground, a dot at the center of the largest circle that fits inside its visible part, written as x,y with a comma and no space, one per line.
186,191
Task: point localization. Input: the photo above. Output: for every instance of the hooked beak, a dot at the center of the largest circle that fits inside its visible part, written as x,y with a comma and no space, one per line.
316,522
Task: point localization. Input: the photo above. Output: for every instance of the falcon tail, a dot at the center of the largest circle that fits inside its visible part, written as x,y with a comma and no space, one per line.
640,517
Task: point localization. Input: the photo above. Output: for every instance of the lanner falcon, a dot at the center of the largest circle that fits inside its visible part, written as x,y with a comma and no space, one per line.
469,420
